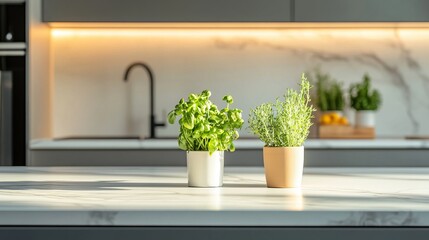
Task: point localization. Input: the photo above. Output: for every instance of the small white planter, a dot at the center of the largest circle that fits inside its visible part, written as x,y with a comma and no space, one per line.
365,118
205,170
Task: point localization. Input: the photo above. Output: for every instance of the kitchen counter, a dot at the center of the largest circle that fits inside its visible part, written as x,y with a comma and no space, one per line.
126,144
145,196
381,152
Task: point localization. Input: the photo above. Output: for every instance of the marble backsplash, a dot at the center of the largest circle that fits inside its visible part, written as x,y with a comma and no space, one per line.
255,66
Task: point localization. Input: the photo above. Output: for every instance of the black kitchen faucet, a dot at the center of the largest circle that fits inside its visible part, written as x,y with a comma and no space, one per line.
153,124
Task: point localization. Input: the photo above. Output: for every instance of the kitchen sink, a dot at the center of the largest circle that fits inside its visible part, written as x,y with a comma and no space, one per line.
99,138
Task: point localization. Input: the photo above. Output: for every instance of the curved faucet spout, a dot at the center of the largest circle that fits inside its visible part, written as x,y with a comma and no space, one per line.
153,124
144,66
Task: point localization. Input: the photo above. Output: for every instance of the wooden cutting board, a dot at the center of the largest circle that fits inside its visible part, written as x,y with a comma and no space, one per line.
345,132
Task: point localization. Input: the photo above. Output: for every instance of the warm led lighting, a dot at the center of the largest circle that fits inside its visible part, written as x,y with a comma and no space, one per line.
259,33
260,30
424,33
242,25
102,32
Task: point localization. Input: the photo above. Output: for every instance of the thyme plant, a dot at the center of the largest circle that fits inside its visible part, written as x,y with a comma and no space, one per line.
284,123
203,127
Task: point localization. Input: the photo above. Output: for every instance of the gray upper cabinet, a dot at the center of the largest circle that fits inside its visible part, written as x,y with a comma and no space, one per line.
166,10
361,10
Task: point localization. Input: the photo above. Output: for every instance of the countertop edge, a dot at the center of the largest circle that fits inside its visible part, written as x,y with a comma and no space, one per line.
245,144
215,218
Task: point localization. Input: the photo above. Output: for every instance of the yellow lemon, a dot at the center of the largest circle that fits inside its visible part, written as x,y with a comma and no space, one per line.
335,117
344,121
325,119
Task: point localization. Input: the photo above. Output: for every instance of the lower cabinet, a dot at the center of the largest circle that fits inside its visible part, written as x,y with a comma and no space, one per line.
224,233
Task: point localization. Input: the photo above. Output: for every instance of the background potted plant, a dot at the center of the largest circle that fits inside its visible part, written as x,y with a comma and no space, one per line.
365,101
205,132
330,99
284,126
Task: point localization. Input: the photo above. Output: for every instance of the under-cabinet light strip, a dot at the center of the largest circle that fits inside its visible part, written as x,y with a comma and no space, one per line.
298,33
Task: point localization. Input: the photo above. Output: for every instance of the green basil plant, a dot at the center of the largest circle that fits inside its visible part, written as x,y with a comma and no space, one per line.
203,127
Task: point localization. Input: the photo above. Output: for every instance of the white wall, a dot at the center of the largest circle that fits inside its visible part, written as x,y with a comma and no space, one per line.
39,73
90,97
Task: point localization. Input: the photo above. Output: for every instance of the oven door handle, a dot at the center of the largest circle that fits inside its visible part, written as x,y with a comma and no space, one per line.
4,53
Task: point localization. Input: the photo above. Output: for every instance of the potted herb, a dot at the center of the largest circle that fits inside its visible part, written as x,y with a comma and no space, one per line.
329,99
284,126
205,133
330,95
365,101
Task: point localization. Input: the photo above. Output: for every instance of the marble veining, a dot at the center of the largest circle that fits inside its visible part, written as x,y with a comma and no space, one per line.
367,57
377,219
159,196
101,218
254,66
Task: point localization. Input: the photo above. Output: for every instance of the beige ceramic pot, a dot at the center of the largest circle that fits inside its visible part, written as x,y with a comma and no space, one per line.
283,166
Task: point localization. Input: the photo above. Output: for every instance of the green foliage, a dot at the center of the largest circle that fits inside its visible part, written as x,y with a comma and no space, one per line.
329,92
205,128
362,97
284,123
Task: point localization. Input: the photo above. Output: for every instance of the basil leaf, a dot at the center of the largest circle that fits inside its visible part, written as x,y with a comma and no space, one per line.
171,117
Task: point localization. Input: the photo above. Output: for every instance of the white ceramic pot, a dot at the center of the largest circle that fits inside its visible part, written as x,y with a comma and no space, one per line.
365,118
283,166
205,170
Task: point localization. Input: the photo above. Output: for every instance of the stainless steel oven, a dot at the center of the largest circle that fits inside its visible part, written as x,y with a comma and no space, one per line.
12,22
12,107
13,48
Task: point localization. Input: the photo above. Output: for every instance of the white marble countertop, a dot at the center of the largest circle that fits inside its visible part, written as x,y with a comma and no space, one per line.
144,196
148,144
